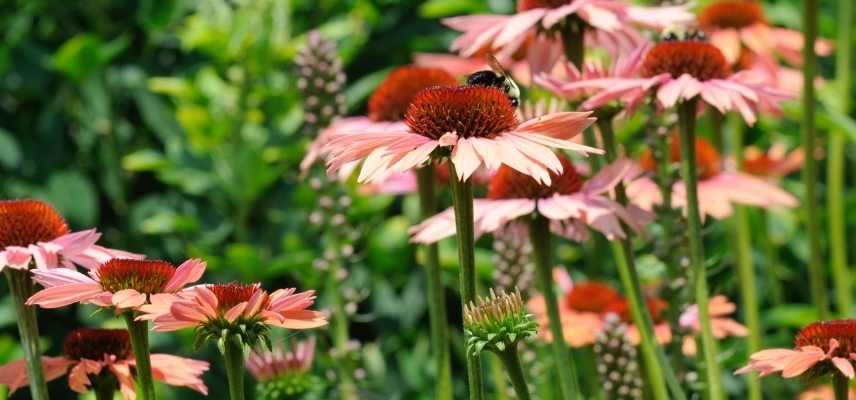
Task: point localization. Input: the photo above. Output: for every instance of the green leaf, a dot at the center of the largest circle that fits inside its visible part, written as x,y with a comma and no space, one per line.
791,315
447,8
10,152
74,196
143,160
85,54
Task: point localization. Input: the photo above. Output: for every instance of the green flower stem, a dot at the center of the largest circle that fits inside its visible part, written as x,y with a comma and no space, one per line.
515,372
840,386
499,383
233,359
105,386
809,139
139,333
657,368
771,256
341,336
539,236
21,288
745,267
462,198
686,121
835,167
436,298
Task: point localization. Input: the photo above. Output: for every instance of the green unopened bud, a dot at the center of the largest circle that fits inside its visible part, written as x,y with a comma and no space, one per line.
497,322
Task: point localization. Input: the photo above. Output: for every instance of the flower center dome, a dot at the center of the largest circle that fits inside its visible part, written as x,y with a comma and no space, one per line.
509,183
699,59
390,100
819,333
468,111
731,14
26,222
591,297
93,344
708,160
233,293
526,5
144,276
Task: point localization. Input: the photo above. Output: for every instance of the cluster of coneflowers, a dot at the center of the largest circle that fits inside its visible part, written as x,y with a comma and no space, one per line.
440,121
48,266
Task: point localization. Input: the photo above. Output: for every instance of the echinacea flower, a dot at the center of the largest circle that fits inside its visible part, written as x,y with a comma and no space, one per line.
775,163
89,354
683,70
473,125
608,23
386,108
282,373
32,233
720,309
823,392
245,310
718,189
120,283
826,347
569,201
738,25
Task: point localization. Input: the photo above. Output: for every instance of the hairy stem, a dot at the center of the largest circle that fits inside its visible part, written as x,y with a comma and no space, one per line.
436,298
515,372
835,168
21,288
817,272
462,198
233,359
539,236
105,386
657,368
686,121
840,386
139,333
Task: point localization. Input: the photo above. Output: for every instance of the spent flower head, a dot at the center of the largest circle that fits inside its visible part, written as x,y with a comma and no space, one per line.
497,322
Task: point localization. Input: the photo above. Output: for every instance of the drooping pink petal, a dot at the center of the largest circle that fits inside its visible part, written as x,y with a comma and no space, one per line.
14,374
128,298
188,272
60,296
179,371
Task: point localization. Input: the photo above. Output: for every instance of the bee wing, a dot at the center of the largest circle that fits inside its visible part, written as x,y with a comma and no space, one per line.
496,66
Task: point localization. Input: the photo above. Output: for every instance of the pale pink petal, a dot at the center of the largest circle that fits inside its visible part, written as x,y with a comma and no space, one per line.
844,366
185,311
608,177
179,371
60,296
236,311
727,41
14,374
465,159
801,362
517,26
128,298
188,272
59,276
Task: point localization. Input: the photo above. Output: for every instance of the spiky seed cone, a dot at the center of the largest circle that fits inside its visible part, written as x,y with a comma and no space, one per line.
497,322
617,364
321,81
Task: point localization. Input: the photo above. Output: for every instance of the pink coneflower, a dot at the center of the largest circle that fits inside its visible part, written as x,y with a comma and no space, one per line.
386,108
473,125
32,233
775,163
213,308
735,26
723,326
823,392
119,283
278,362
825,347
718,189
609,22
88,354
683,70
569,201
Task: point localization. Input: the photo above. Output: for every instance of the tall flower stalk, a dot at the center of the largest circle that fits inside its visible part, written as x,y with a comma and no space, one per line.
835,168
21,287
657,368
686,122
462,199
341,334
539,235
809,137
139,333
233,360
436,299
745,267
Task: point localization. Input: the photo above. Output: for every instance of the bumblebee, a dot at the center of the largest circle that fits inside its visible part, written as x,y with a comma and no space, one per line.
498,78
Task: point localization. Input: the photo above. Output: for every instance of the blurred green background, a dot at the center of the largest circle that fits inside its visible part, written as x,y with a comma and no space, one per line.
175,128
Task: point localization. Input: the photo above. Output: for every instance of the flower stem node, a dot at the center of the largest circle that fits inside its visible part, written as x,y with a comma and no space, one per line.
497,322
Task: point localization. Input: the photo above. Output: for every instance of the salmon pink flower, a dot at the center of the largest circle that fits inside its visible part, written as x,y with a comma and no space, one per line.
233,308
826,347
89,354
718,189
386,108
609,23
775,163
32,233
279,371
720,309
737,26
568,201
682,70
119,283
472,125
